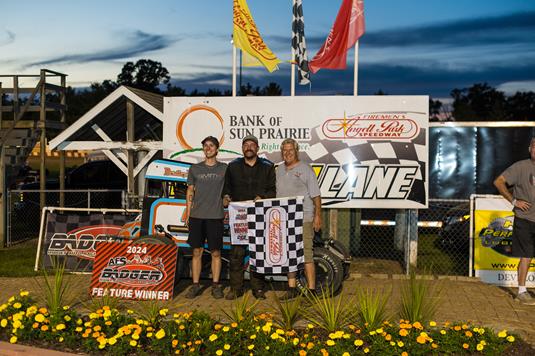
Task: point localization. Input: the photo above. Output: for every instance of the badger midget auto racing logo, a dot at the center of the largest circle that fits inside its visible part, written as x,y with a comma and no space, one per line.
137,272
371,126
498,235
80,242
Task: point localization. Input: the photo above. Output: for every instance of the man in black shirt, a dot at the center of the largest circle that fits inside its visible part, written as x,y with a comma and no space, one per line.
247,178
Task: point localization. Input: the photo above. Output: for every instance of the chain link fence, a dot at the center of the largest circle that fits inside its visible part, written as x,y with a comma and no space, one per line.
24,214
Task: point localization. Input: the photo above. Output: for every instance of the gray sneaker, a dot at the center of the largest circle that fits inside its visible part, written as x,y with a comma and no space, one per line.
194,291
525,298
217,291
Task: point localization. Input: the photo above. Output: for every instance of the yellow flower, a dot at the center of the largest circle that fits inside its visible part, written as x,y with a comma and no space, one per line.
400,344
3,323
483,342
133,343
61,339
112,340
443,332
163,312
60,326
250,347
388,337
226,347
66,307
219,352
366,350
274,336
160,334
479,347
510,338
434,346
310,326
135,336
17,305
403,332
213,337
24,293
346,354
280,331
330,343
267,327
78,329
13,339
67,318
295,341
358,342
432,323
252,337
502,334
226,328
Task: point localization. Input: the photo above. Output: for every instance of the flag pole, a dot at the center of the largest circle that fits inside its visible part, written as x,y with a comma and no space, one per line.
233,69
356,70
292,82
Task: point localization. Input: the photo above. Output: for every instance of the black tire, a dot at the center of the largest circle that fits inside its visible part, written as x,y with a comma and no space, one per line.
345,255
329,271
152,239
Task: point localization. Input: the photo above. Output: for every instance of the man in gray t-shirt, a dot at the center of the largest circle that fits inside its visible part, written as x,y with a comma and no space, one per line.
521,176
204,214
295,178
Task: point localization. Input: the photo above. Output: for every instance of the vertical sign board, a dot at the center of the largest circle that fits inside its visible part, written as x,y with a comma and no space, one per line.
134,271
493,229
367,151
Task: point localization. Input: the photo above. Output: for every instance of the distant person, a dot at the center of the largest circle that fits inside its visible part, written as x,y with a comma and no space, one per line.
248,178
204,215
295,178
521,176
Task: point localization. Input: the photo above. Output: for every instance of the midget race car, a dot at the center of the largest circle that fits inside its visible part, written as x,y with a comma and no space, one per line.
163,222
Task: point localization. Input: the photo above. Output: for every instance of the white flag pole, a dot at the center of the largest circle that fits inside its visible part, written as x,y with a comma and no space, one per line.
233,69
356,70
292,83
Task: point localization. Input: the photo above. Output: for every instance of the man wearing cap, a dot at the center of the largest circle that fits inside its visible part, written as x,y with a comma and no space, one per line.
204,215
247,178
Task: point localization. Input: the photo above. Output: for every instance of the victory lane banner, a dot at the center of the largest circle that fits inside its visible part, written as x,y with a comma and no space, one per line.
134,271
276,235
73,237
493,238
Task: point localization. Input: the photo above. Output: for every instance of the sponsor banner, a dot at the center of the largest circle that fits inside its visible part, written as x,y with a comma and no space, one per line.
493,237
276,235
237,212
134,271
367,152
73,237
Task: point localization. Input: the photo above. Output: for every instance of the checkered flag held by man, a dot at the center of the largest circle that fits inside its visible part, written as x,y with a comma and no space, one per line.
299,44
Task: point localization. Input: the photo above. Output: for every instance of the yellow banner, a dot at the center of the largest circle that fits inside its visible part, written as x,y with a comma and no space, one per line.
247,38
492,240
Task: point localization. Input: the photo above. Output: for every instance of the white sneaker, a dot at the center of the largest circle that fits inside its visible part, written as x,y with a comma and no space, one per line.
525,298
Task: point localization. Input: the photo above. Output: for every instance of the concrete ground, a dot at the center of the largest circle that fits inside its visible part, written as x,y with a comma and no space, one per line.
463,299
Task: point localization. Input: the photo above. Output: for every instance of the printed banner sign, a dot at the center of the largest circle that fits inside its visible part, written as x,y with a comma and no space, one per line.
367,151
237,212
276,235
134,271
73,237
493,231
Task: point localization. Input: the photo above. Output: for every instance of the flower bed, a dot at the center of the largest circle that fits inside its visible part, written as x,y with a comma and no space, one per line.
113,332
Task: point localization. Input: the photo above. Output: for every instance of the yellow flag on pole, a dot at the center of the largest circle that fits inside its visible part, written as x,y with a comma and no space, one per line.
247,38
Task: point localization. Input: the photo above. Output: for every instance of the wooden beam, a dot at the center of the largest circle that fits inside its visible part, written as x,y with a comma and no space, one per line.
21,124
21,90
55,106
130,130
54,87
33,108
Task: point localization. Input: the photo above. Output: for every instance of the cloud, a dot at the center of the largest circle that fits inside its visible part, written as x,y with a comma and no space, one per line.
138,42
6,38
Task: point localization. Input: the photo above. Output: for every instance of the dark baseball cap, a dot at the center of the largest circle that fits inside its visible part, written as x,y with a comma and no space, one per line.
250,138
212,139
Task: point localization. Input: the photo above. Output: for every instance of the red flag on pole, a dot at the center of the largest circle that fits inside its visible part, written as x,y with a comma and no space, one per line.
347,28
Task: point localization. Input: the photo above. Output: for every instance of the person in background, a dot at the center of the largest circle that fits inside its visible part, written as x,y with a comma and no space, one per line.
295,178
521,176
204,215
248,178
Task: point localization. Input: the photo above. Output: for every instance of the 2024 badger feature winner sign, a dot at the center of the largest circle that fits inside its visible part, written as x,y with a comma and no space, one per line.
134,271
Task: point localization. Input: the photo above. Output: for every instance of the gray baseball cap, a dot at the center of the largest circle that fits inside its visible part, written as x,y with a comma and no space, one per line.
250,138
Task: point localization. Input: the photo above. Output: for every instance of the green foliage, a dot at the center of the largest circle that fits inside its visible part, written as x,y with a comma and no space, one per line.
55,286
419,299
372,307
328,312
287,312
241,310
152,311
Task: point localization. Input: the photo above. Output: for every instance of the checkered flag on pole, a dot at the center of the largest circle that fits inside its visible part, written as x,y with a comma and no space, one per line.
276,235
299,44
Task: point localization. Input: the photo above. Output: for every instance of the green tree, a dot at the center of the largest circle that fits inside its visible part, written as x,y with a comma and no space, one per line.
272,89
145,74
480,102
521,106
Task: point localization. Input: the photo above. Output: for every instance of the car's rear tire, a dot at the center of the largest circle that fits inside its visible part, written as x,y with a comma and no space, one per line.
329,271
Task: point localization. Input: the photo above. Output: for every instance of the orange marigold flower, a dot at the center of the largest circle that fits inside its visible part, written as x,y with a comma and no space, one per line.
404,353
302,353
174,343
468,333
465,346
417,325
324,352
388,337
421,339
403,332
457,328
433,345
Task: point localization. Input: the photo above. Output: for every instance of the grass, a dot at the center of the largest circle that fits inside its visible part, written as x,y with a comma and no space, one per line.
19,260
433,260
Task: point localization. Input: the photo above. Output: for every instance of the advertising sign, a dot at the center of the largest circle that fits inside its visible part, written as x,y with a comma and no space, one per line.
73,237
237,212
367,152
134,271
493,230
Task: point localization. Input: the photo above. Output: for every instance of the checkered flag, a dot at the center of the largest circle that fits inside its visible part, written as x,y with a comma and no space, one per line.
299,44
276,235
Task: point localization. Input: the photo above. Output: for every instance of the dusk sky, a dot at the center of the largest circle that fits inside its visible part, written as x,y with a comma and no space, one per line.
410,47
